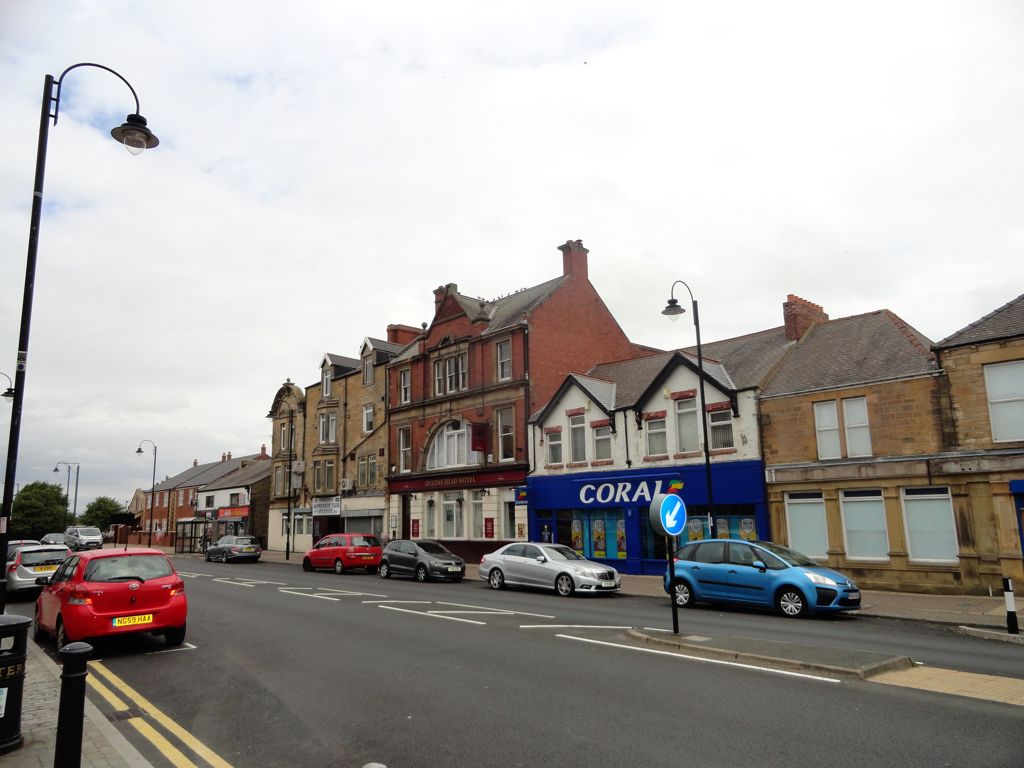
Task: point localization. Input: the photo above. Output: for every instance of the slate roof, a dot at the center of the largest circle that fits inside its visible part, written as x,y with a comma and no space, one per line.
876,346
601,391
203,473
384,346
244,476
342,361
749,359
1004,323
633,377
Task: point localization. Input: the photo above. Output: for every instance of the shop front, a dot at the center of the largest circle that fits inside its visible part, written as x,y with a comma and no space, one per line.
230,521
604,515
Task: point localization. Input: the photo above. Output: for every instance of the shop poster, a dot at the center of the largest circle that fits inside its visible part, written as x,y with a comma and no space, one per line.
620,539
748,530
695,525
597,538
577,535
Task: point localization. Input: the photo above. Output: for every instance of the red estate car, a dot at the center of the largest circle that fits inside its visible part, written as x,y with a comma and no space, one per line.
105,592
343,550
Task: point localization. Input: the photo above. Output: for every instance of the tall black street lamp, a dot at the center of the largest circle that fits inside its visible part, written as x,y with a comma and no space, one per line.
136,137
69,465
152,490
672,310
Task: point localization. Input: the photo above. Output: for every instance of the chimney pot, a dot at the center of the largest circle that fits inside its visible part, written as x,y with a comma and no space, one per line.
223,457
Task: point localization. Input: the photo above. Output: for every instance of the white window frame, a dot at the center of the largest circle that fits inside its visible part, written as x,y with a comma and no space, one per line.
720,427
476,515
656,428
367,419
439,377
798,506
1005,404
284,435
450,448
554,445
503,354
326,383
405,449
328,428
452,503
371,471
404,388
602,443
687,425
826,433
849,500
577,439
368,369
913,497
506,434
318,477
361,475
329,479
857,429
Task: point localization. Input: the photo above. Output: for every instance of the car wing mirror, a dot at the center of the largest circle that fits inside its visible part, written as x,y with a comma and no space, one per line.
43,581
541,559
760,566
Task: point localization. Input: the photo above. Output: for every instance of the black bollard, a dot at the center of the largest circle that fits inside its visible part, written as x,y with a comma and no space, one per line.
71,715
1011,609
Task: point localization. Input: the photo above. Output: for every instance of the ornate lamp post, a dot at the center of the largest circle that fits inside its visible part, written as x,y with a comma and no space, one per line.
136,137
672,310
152,491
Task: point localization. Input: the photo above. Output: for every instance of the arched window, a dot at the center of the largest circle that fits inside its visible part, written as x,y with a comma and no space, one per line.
450,447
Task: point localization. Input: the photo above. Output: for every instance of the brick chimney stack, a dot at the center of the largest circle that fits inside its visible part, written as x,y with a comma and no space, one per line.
223,457
799,315
229,455
403,334
574,258
263,451
195,463
441,291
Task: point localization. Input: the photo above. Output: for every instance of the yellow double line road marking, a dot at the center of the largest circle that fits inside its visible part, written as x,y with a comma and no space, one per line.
151,734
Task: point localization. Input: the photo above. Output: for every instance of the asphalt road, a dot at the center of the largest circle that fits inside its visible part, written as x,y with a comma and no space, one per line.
319,669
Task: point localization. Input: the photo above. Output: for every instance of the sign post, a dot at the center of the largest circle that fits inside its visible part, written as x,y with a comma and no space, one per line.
668,517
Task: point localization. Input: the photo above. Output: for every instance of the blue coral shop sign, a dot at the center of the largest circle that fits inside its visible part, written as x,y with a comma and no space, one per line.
600,492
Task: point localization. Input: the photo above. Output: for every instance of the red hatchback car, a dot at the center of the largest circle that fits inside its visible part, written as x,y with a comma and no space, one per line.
343,550
104,592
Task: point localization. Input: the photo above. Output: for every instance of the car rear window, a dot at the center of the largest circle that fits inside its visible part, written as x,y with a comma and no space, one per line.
127,567
52,557
246,540
433,548
365,541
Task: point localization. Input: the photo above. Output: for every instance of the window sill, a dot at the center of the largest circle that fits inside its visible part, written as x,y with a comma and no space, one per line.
658,457
687,455
721,451
576,464
602,462
554,466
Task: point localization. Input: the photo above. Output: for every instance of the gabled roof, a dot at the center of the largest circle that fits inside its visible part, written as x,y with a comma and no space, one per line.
634,378
244,476
876,346
340,362
203,473
749,359
512,310
600,392
1004,323
379,345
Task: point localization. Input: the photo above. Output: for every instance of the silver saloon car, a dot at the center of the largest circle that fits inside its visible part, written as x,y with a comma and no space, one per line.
31,562
547,566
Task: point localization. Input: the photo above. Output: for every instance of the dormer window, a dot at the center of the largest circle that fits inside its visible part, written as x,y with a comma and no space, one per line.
326,388
368,369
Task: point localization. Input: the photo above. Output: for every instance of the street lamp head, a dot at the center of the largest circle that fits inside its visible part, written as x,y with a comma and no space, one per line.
134,134
139,450
8,394
56,470
672,310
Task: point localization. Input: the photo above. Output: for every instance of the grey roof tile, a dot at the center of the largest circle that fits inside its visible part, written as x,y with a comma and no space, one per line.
876,346
1005,322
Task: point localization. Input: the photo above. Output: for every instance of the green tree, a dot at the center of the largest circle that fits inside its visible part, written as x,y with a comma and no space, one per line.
99,512
39,508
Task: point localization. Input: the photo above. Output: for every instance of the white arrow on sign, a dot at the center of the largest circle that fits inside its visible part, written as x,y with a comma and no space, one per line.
670,518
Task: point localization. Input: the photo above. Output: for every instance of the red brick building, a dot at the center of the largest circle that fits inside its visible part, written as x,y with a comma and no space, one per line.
459,398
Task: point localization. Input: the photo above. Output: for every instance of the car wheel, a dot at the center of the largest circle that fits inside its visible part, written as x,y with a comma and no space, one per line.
306,564
791,602
496,579
682,594
339,567
208,556
37,629
421,572
62,635
383,571
175,636
564,585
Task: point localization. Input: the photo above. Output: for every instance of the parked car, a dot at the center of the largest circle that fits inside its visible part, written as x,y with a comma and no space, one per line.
83,537
228,548
53,538
111,592
548,566
423,559
757,573
15,544
343,550
31,562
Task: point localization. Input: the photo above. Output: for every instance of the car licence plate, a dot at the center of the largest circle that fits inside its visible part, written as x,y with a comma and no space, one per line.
131,621
44,568
608,584
248,549
855,595
454,568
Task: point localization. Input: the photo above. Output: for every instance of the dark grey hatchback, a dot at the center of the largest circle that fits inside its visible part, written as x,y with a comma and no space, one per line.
422,559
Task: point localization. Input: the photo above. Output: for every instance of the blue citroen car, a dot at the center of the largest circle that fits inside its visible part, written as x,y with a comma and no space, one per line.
757,573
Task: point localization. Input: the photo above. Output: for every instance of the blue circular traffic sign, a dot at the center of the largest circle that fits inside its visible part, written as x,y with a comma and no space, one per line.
668,514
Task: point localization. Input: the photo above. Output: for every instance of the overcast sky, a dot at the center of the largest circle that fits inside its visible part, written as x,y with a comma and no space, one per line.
324,165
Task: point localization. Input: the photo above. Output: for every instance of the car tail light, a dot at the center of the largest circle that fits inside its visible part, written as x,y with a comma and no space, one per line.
234,549
13,565
80,596
483,559
178,588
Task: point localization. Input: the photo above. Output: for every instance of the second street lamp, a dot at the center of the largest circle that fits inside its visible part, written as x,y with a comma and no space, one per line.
152,491
672,310
74,515
136,137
